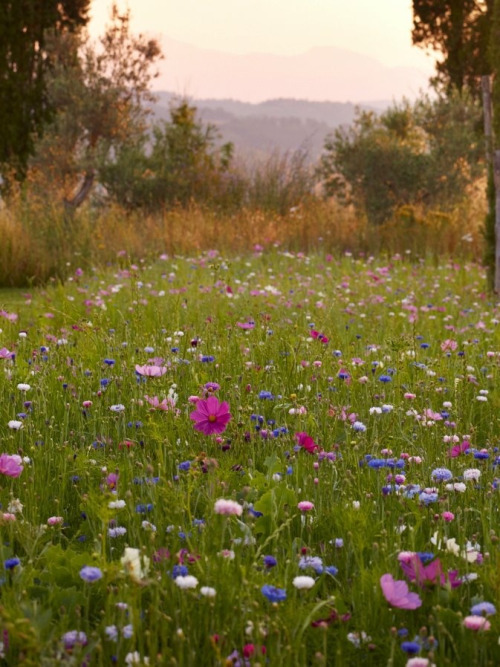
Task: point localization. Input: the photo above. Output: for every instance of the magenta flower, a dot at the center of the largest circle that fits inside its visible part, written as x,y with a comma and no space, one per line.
397,594
5,354
10,465
211,416
456,450
422,574
150,371
305,506
431,574
306,442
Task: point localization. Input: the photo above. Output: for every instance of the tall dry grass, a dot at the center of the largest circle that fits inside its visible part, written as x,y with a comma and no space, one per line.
40,241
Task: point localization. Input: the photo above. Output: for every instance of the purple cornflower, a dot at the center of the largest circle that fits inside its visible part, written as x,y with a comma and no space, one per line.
89,573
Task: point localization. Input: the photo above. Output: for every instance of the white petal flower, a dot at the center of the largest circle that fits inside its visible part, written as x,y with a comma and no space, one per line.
187,581
303,582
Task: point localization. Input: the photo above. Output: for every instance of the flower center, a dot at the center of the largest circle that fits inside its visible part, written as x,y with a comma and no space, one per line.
212,418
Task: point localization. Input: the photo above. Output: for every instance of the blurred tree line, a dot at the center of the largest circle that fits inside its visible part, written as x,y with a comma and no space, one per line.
75,113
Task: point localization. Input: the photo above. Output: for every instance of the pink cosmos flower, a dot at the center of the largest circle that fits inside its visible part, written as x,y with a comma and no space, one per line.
476,623
432,573
211,416
12,317
5,354
397,594
11,465
449,344
435,416
228,507
305,506
305,441
150,370
319,336
456,450
246,325
165,405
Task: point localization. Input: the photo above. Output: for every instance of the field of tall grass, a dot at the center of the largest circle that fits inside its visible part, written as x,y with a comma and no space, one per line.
41,241
274,457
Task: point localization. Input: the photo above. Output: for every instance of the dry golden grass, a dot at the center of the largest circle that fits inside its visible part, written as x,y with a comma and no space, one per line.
39,241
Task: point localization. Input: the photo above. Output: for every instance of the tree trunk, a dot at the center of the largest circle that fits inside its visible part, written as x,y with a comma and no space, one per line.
487,114
496,168
82,193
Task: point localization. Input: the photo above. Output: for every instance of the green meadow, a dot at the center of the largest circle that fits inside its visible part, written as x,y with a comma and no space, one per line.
362,445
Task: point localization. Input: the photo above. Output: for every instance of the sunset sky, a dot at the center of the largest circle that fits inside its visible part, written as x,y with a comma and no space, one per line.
378,28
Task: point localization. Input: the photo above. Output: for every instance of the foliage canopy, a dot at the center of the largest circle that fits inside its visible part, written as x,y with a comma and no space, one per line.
25,106
459,30
424,154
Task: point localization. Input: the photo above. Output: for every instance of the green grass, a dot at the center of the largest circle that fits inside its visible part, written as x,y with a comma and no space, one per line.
386,326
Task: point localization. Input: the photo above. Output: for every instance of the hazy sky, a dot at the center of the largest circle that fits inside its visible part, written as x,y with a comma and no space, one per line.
380,28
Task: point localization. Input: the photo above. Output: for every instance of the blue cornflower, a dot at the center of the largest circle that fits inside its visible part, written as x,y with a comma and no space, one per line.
331,570
359,427
142,508
109,362
254,513
273,594
266,395
90,573
207,358
377,463
179,571
441,474
411,648
74,638
269,561
185,465
11,563
198,522
483,609
313,562
481,455
385,378
428,497
411,490
425,556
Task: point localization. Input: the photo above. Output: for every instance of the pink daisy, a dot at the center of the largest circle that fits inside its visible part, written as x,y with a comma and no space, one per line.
150,371
211,416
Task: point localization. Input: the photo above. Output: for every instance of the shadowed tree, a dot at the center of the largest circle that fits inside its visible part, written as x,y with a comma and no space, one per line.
459,31
101,92
25,108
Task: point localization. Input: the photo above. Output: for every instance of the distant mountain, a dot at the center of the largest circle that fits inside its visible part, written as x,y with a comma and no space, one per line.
282,125
322,73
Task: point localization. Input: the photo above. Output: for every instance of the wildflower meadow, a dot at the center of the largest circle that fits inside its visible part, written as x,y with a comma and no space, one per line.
275,459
